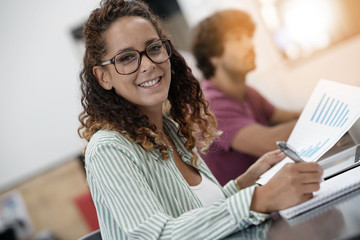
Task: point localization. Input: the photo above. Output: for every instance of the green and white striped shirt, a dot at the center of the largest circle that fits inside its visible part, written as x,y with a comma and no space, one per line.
138,195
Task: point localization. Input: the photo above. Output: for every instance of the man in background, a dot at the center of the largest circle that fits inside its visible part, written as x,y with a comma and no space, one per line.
222,45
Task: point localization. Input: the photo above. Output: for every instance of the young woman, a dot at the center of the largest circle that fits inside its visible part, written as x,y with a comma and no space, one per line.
145,176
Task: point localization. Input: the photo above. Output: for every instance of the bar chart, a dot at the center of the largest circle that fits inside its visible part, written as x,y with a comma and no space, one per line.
312,149
330,112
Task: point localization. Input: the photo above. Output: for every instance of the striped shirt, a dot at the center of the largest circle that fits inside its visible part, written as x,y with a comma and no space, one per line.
138,195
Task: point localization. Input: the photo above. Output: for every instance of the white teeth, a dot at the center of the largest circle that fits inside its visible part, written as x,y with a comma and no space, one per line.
150,83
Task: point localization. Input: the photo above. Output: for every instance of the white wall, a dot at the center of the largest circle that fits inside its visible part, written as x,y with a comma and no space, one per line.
39,97
286,84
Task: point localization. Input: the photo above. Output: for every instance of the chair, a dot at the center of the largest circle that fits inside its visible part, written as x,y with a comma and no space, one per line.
95,235
87,209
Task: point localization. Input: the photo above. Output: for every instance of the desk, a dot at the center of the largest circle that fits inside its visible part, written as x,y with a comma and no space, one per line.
338,219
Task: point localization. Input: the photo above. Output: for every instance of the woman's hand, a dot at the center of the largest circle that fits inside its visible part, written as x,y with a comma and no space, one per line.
263,164
293,184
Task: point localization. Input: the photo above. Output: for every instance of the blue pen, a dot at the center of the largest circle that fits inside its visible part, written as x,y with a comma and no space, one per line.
285,148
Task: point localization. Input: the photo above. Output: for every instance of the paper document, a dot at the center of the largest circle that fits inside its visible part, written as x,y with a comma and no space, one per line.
329,113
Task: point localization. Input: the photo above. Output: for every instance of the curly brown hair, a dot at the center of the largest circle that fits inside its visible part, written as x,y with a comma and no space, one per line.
104,109
209,34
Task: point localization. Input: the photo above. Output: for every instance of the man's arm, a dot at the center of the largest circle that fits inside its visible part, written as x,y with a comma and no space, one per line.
282,116
257,139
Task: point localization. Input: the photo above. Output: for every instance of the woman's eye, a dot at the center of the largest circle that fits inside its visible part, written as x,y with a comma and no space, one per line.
126,58
154,48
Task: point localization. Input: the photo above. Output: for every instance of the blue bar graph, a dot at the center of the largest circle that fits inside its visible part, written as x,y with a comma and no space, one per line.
310,151
330,112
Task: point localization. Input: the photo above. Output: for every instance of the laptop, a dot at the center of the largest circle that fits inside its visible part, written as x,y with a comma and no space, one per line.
341,162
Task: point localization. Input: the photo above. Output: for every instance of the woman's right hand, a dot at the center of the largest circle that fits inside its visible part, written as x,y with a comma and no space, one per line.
293,184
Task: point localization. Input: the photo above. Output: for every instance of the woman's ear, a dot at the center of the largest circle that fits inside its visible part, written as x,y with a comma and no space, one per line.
102,78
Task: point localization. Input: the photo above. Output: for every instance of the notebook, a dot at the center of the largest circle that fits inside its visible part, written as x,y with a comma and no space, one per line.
330,189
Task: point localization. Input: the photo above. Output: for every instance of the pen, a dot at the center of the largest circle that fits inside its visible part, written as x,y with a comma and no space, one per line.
285,148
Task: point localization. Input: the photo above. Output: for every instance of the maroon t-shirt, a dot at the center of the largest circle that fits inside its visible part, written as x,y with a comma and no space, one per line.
232,115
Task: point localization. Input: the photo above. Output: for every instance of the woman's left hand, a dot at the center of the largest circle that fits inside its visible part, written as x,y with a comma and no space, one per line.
264,163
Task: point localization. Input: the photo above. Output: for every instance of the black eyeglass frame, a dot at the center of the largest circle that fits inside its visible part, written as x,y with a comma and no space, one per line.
112,60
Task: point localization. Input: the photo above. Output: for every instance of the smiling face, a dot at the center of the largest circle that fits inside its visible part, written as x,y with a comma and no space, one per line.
147,87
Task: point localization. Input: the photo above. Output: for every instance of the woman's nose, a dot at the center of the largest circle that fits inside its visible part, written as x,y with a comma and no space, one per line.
146,64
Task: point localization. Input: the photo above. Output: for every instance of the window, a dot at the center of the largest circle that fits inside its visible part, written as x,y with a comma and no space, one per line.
300,28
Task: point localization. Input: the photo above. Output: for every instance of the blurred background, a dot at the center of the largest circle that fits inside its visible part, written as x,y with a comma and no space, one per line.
43,189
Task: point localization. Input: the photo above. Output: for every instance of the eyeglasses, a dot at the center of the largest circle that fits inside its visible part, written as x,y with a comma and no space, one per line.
128,62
